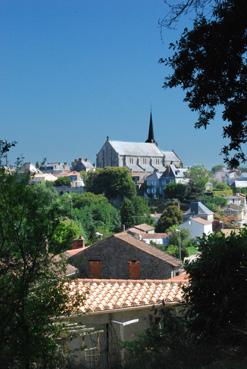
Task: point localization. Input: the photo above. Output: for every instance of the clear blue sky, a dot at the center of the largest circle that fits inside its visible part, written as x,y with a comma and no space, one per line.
74,71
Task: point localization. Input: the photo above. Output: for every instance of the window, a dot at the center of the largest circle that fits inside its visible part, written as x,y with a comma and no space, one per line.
134,268
131,161
95,267
144,161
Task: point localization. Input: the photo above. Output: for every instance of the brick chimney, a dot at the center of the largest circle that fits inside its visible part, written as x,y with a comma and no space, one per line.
76,244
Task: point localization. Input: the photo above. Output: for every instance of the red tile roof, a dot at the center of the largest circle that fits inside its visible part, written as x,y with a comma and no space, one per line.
109,294
72,252
144,227
183,277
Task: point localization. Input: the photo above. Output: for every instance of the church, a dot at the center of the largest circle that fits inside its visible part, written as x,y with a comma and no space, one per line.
138,157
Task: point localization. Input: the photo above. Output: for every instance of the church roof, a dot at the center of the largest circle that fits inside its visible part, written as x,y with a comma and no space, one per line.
170,156
136,148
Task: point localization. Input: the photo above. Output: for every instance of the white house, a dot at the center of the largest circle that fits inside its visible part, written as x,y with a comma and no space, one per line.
197,226
198,209
43,177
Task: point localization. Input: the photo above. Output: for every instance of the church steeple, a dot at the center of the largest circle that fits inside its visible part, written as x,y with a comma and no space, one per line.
150,138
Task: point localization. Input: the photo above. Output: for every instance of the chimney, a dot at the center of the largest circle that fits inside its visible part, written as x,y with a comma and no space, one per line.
76,244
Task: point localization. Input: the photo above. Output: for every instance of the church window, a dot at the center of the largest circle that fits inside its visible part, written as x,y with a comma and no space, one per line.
131,161
157,161
144,161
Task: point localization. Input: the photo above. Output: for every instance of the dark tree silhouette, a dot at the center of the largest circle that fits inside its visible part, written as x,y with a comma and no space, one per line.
209,63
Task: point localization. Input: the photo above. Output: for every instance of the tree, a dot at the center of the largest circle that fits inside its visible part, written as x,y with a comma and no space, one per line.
62,181
209,63
171,216
180,238
214,203
94,212
114,183
142,212
128,213
66,231
217,293
32,284
198,176
176,191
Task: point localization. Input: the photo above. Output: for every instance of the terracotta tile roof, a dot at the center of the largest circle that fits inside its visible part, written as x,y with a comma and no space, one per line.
151,250
155,235
72,252
183,277
109,294
144,227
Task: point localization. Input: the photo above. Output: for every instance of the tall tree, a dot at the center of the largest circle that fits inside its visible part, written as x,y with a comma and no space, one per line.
32,285
128,213
209,63
217,293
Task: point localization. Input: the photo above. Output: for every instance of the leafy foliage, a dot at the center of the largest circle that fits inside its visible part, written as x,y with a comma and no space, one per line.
176,191
114,183
209,63
217,295
32,284
171,216
94,213
180,238
66,231
128,213
198,176
214,203
62,181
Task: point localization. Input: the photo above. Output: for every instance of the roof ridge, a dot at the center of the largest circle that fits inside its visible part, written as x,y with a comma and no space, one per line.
147,248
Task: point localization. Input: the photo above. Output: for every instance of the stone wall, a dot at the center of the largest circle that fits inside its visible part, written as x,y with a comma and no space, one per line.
114,256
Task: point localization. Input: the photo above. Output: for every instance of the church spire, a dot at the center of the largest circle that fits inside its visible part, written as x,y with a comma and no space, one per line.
150,138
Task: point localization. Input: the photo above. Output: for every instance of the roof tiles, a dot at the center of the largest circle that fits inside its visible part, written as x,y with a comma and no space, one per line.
109,294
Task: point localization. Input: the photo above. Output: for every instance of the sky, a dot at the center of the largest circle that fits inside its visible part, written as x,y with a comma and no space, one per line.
75,71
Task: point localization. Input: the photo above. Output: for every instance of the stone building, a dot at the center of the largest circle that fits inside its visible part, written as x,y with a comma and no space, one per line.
139,157
122,256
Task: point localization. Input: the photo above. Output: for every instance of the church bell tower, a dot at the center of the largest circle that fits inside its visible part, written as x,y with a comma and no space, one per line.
150,138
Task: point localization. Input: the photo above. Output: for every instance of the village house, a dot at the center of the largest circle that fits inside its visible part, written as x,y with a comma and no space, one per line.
54,168
122,256
197,226
146,233
82,165
198,209
113,311
157,181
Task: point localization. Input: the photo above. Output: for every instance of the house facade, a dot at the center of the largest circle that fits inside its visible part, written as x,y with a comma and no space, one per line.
122,256
111,312
82,165
197,227
157,181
